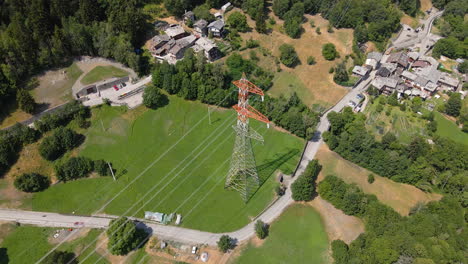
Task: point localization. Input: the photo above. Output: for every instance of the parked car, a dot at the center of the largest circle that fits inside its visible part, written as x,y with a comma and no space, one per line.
116,88
352,104
194,250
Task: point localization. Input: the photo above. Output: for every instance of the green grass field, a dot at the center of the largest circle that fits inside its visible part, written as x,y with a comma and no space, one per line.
135,141
286,83
27,244
100,73
298,236
448,129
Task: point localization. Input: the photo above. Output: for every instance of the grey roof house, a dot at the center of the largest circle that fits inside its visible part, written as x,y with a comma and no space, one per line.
216,28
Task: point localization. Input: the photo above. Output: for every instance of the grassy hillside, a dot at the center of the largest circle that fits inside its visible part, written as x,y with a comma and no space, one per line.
160,169
298,236
100,73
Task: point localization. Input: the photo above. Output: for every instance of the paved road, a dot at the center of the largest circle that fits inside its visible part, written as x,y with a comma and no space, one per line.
185,235
421,38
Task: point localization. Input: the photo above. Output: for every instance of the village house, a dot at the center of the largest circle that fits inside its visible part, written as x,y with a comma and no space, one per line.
373,59
448,83
175,32
361,71
386,70
399,58
188,16
209,48
385,85
200,27
216,28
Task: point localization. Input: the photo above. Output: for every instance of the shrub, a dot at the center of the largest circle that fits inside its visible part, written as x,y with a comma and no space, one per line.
153,98
271,21
102,168
60,257
63,140
61,117
463,67
340,252
31,182
303,188
251,43
341,74
237,20
25,101
261,229
370,178
74,168
331,70
288,55
329,51
124,236
311,60
453,105
330,28
317,30
225,243
312,23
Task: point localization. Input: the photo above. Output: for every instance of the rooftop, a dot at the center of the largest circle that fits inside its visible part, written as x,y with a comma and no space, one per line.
375,56
359,70
218,24
200,23
381,82
399,57
446,79
174,30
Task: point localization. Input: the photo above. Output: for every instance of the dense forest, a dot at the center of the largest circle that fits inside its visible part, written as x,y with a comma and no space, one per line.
440,166
454,28
41,34
432,233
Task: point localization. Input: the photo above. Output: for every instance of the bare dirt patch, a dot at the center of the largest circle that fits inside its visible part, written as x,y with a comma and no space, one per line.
5,229
401,197
338,224
315,77
54,87
183,254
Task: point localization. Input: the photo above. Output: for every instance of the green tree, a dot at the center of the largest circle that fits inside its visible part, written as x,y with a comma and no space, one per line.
260,24
304,187
25,101
31,182
288,55
317,30
74,168
341,74
311,60
153,97
261,229
225,243
329,51
453,105
238,21
60,257
463,67
340,252
102,168
280,7
203,12
124,236
370,178
61,141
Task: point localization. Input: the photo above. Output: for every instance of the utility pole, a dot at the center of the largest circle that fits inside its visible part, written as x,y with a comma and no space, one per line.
112,171
243,175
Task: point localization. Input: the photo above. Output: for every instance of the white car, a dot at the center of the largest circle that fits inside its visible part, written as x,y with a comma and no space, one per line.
352,104
194,250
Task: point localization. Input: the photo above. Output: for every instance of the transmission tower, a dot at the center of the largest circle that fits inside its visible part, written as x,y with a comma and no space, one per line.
242,175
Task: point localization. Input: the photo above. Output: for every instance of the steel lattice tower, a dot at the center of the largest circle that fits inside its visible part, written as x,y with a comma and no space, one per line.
242,175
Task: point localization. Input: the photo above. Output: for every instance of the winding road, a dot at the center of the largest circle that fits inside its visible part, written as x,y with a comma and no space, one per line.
186,235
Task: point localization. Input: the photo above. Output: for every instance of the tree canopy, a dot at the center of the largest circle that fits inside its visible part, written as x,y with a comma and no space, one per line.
153,97
237,20
288,55
31,182
225,243
124,236
303,188
329,51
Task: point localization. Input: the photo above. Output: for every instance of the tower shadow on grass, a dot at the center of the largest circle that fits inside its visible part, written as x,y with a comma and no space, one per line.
266,169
